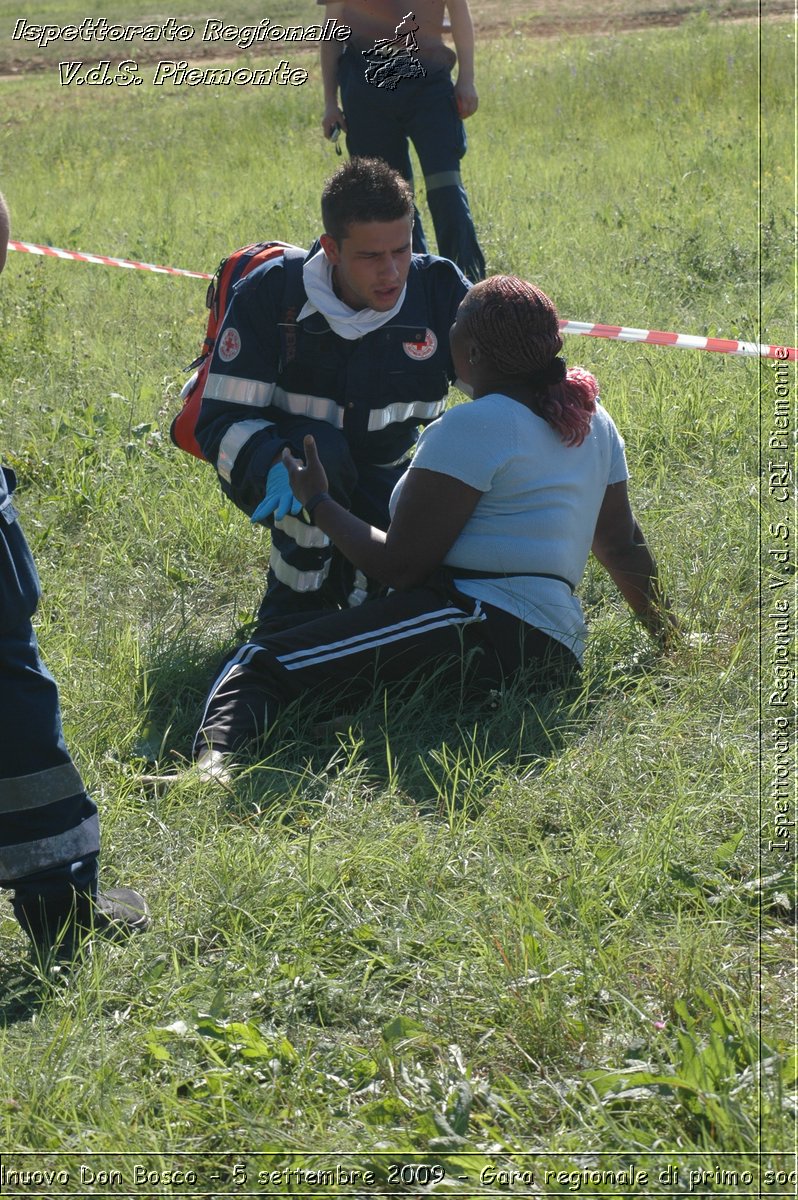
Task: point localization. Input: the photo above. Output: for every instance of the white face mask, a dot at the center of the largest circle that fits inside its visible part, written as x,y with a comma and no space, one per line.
343,320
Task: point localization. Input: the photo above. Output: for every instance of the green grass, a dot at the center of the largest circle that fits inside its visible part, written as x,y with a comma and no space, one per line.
438,937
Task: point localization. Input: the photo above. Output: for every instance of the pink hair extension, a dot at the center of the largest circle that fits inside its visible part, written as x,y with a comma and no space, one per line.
568,406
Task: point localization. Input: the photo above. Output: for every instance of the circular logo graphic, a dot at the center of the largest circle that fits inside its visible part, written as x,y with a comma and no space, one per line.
420,350
230,345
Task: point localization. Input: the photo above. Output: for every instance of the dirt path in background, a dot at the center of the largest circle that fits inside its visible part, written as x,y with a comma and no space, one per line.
550,18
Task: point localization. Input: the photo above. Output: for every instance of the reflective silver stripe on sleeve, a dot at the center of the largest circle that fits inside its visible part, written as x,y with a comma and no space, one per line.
233,390
43,787
70,846
360,590
298,581
380,418
230,446
320,408
307,536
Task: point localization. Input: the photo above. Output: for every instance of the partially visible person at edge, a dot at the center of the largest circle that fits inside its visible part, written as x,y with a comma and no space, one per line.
492,525
348,342
49,826
401,92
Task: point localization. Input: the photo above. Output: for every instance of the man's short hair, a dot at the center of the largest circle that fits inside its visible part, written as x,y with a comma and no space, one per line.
363,190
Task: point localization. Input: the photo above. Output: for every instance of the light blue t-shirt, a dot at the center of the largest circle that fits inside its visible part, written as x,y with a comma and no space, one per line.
539,507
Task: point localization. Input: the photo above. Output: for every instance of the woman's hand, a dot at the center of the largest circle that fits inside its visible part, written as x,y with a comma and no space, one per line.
431,511
307,479
620,547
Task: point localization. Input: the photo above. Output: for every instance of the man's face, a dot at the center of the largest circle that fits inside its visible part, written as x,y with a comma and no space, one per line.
371,264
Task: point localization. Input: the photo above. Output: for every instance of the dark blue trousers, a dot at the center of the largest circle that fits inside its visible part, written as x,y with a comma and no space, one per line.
49,827
381,122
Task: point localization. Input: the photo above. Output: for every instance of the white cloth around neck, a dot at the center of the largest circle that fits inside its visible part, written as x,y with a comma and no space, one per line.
343,320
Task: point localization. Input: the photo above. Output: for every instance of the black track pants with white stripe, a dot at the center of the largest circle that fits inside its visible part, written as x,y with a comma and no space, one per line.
344,657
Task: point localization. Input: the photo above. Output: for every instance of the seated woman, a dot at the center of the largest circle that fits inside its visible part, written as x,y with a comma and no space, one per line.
491,528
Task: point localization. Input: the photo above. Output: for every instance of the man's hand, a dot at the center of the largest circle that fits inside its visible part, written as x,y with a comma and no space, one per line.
279,499
467,99
306,480
332,116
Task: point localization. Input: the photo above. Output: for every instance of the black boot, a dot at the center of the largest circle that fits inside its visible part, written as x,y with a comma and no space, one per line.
61,925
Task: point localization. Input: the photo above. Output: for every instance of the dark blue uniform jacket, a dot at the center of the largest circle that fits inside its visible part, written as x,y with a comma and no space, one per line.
268,367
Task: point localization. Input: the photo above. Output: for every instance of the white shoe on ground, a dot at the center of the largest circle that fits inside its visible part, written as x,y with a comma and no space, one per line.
214,767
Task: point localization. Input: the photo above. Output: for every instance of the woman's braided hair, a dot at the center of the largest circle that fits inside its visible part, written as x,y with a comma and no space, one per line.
516,328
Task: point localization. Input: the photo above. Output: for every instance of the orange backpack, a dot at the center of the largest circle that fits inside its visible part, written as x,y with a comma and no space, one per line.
236,266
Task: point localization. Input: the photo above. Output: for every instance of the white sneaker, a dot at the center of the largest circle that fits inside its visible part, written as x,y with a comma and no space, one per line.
214,767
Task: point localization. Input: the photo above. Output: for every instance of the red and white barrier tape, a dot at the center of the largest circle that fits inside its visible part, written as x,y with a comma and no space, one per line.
683,341
104,260
652,337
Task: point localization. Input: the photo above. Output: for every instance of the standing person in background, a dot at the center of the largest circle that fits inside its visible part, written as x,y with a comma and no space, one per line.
395,80
49,826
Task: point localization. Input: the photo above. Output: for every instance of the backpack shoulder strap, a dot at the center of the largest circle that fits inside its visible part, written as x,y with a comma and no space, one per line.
294,295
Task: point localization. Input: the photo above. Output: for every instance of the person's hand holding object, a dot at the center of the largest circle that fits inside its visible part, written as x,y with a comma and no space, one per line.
333,118
279,499
307,480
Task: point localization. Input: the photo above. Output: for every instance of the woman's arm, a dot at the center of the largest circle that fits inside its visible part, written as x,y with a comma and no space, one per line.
620,547
431,512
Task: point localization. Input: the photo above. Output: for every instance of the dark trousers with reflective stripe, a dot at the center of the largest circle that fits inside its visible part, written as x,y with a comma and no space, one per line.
379,123
340,659
49,830
306,573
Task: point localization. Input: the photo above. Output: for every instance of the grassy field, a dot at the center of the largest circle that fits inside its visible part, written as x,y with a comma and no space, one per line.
549,937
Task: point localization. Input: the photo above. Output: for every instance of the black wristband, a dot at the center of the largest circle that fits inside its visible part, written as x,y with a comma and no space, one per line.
314,500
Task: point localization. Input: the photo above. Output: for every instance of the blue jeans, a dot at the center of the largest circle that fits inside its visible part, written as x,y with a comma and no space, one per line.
49,827
382,122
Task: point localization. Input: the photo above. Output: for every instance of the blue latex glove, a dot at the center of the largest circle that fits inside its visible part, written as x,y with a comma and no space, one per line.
279,499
